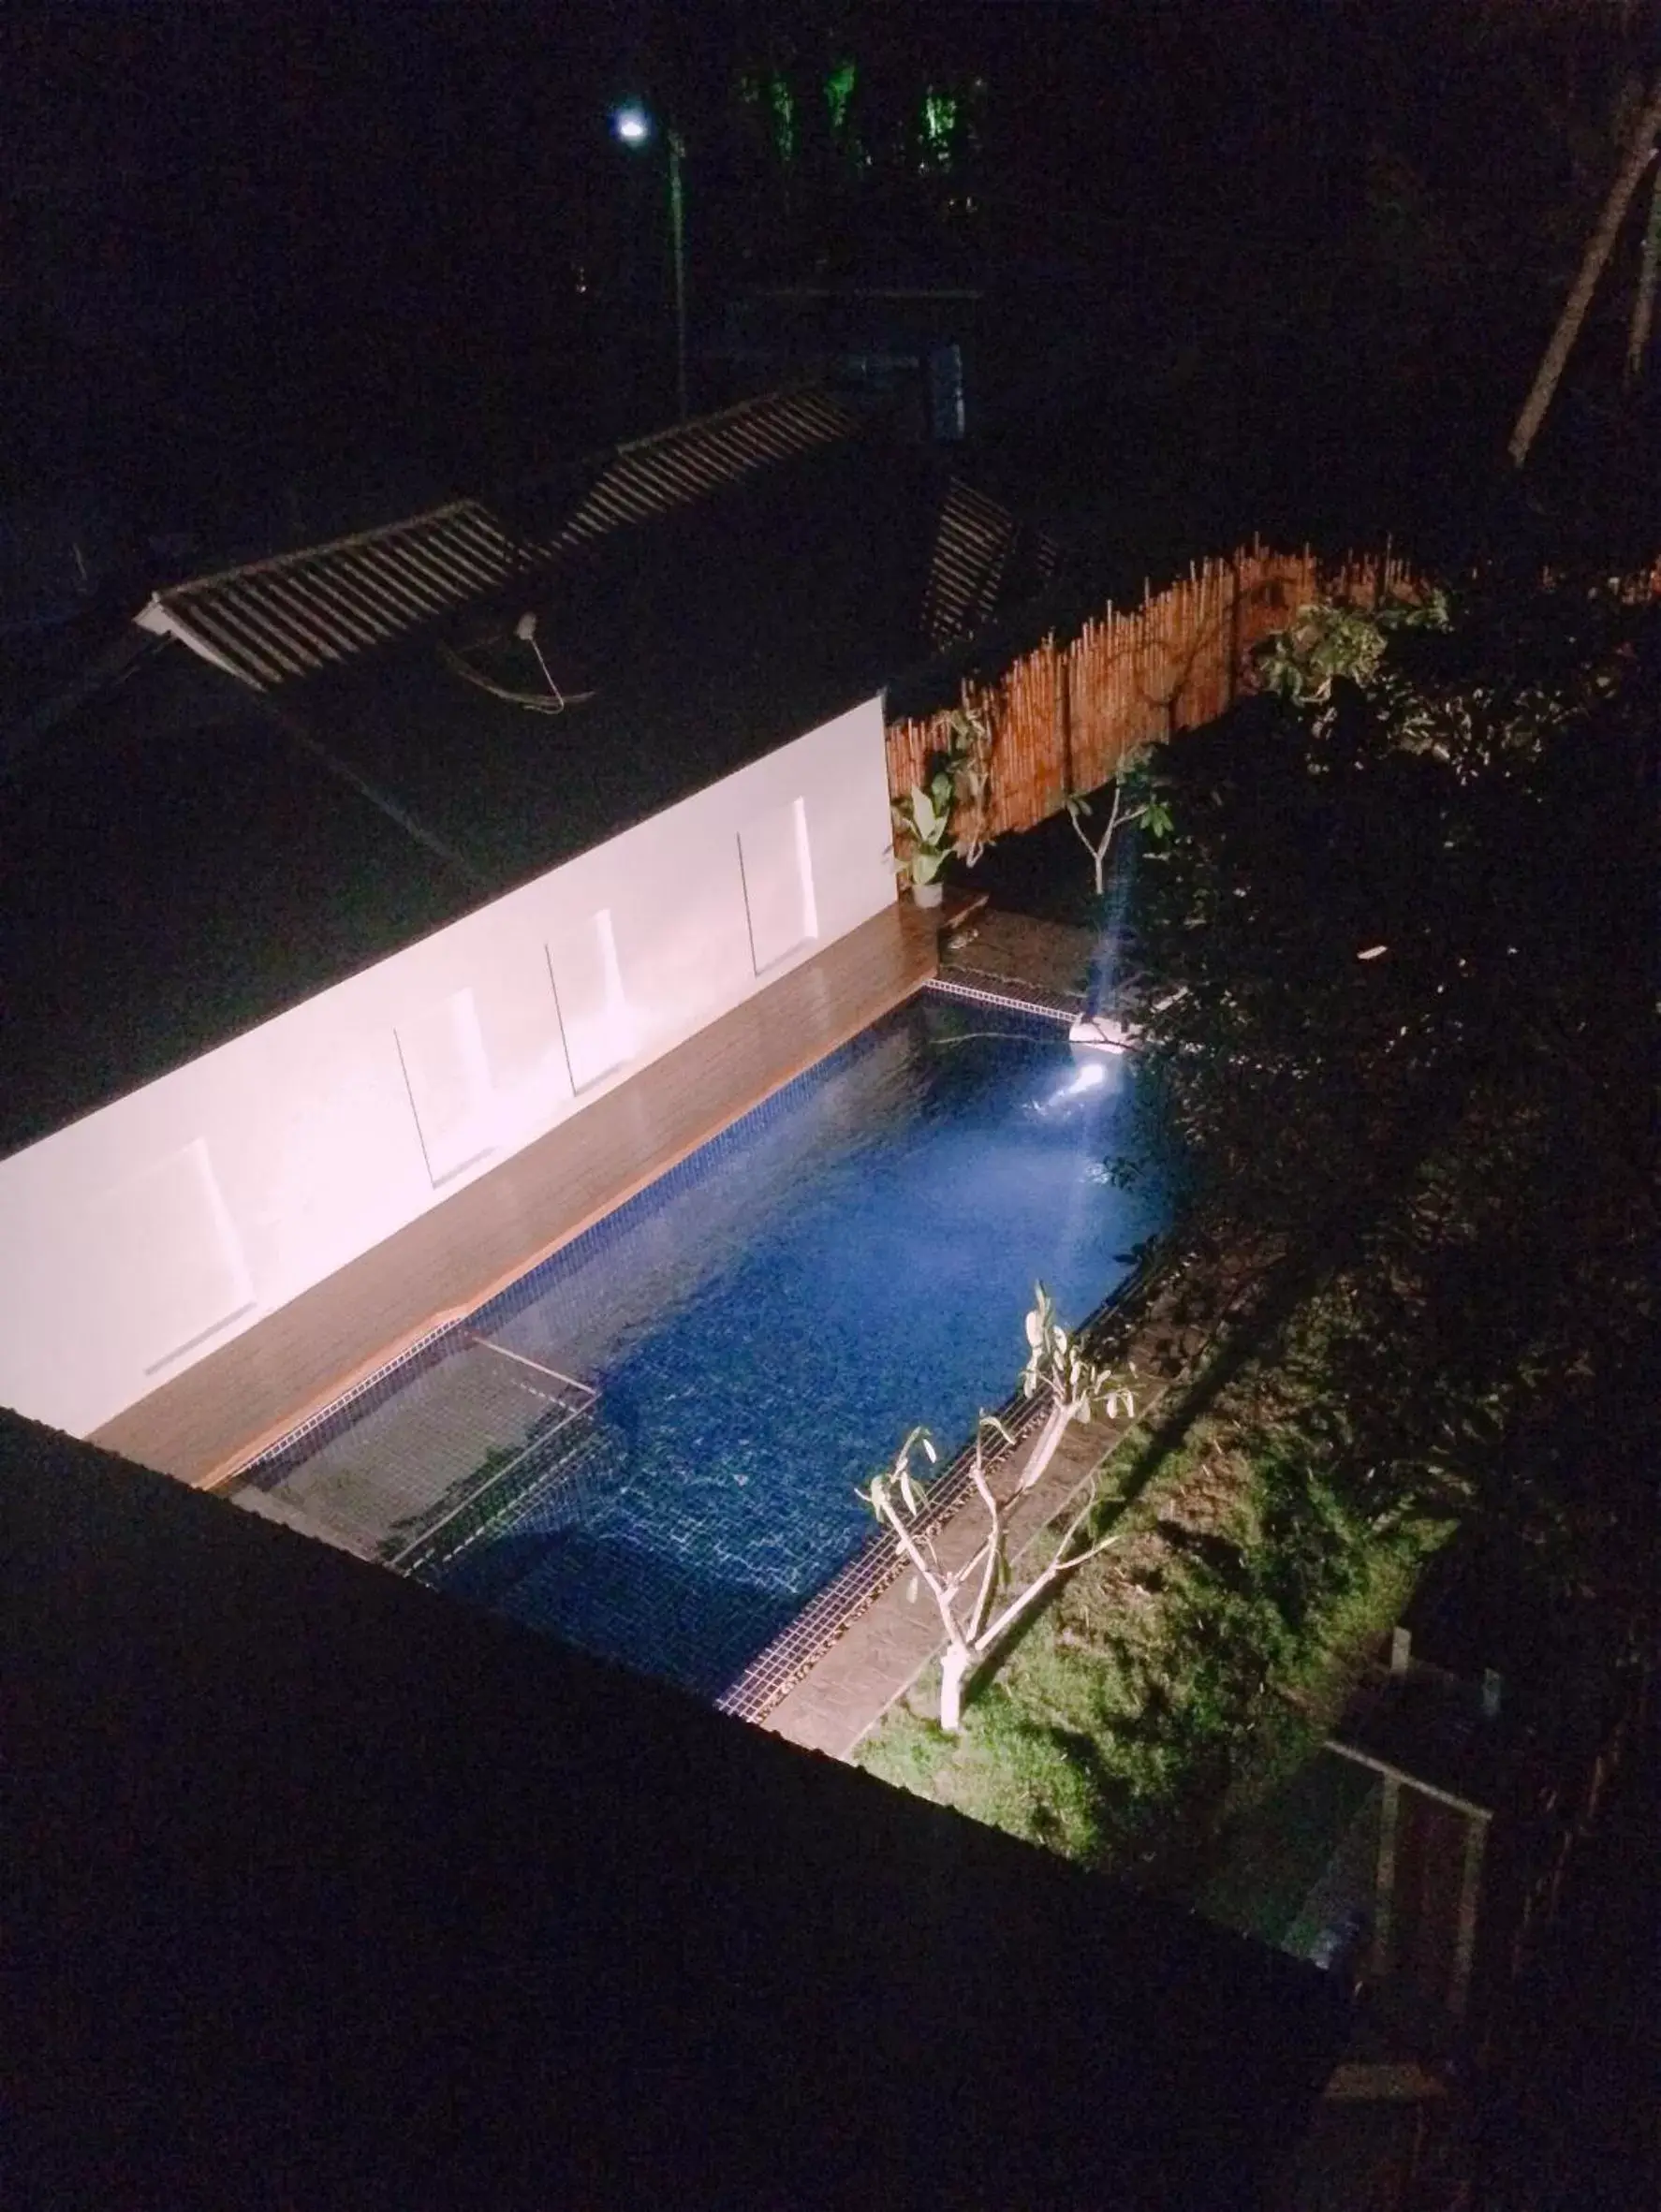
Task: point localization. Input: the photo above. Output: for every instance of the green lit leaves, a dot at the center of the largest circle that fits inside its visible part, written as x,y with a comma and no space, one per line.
939,126
1330,639
839,92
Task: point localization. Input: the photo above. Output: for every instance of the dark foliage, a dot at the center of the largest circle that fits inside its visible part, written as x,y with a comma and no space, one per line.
1409,933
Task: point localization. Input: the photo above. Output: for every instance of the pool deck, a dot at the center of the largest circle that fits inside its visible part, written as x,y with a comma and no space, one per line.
988,950
204,1423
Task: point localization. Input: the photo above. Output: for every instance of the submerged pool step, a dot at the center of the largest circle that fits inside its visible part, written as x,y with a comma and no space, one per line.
392,1468
560,1462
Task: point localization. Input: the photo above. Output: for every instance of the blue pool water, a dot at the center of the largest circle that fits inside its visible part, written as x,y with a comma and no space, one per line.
766,1323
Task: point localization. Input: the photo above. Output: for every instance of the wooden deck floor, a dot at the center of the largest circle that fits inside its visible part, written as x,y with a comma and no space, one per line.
202,1423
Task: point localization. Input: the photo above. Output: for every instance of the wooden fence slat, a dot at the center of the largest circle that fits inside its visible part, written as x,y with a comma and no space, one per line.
1064,717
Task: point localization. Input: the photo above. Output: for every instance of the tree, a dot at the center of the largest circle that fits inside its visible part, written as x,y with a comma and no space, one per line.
1382,892
1074,1388
1329,641
1132,783
1643,296
1414,1038
1639,152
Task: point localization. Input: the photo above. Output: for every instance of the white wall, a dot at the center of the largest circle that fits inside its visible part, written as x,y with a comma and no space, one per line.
146,1235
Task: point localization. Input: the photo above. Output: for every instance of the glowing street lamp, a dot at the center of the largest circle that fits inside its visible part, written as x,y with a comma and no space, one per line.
635,127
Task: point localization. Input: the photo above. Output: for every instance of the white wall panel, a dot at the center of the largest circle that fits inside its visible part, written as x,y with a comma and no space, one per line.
442,1053
590,1002
164,1271
777,867
150,1232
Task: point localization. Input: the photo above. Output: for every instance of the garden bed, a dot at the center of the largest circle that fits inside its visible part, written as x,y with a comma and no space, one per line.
1159,1704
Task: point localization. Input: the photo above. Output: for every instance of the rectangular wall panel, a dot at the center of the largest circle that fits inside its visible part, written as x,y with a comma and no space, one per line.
449,1084
593,1009
169,1271
778,883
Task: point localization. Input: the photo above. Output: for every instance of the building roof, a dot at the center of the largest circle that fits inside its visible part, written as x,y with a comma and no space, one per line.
271,621
312,760
328,1890
178,870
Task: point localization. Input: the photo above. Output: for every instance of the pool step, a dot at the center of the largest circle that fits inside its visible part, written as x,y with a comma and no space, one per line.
562,1464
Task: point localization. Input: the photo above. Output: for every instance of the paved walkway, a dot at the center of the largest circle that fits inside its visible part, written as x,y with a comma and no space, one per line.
1019,954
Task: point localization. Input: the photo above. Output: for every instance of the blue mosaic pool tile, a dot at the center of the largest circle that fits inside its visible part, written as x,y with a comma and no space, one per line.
685,1583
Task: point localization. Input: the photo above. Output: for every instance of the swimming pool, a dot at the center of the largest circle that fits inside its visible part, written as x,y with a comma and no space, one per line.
764,1324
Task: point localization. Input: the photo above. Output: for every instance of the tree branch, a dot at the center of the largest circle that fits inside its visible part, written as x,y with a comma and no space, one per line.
1643,298
1059,1565
1598,246
937,1589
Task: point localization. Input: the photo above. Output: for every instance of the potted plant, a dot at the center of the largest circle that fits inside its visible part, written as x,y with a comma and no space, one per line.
923,816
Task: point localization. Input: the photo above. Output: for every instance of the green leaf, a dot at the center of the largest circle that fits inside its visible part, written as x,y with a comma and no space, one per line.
928,816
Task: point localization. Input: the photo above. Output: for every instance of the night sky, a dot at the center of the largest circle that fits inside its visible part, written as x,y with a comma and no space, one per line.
271,270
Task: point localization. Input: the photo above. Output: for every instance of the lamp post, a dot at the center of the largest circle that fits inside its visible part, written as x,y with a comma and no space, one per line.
635,127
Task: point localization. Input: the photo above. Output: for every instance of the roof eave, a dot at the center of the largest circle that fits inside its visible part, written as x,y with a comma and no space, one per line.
161,620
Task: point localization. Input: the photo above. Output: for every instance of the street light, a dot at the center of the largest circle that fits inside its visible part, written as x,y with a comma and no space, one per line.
635,127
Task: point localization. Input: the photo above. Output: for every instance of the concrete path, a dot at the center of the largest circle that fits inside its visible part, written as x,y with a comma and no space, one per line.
1016,953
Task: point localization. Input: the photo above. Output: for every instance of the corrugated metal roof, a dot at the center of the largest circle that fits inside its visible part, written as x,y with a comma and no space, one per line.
971,548
271,622
680,466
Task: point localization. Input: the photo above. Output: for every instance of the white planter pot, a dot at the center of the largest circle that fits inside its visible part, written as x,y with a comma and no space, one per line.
929,893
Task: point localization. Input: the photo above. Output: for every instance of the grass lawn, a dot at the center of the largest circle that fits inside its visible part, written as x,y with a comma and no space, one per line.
1162,1717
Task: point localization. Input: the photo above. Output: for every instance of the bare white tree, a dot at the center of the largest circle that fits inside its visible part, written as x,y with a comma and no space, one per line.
1075,1388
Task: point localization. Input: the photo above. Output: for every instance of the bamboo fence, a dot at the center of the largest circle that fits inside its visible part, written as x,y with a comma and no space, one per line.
1062,717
